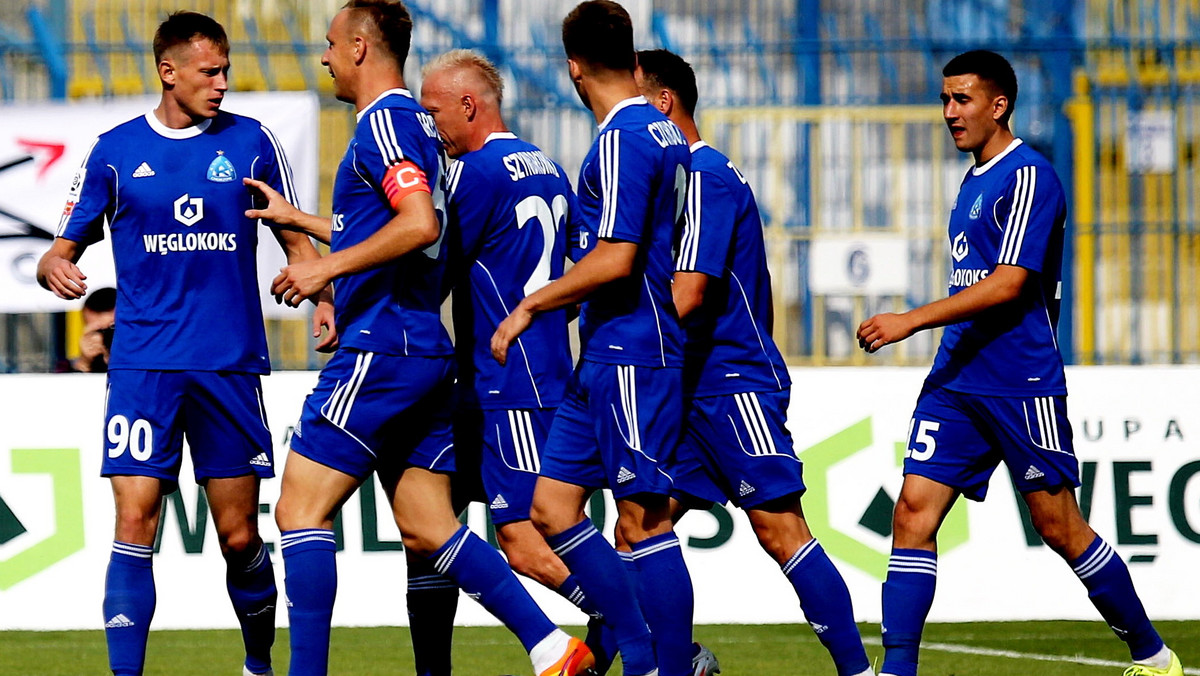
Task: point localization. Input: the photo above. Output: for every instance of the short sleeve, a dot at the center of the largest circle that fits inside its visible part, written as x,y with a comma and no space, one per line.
91,199
275,171
709,222
380,143
625,183
469,203
1035,201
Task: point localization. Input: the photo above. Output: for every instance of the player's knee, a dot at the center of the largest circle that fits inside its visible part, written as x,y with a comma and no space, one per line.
237,541
136,527
913,524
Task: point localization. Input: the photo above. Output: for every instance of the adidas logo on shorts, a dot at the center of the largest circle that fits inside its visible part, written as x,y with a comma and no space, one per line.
143,171
745,489
261,460
624,476
117,621
499,502
1033,473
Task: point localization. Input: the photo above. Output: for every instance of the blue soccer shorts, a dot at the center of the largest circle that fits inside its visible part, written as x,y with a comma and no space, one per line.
147,415
379,412
959,439
616,428
498,453
737,447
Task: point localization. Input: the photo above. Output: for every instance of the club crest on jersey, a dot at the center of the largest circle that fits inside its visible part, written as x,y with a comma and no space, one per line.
221,169
977,208
960,249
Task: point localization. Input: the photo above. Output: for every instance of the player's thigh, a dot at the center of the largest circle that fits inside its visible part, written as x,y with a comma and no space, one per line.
311,493
637,415
138,501
143,427
226,426
351,420
744,436
421,505
572,454
1035,439
949,445
513,443
234,505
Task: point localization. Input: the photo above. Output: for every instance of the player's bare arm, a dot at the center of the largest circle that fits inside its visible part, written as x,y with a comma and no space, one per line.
283,215
297,247
57,272
687,291
415,226
1002,286
608,262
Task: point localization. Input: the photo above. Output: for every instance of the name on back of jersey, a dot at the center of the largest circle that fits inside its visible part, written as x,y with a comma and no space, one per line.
529,163
666,133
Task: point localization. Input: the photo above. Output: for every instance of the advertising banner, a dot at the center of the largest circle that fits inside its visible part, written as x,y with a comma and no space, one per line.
1137,435
43,144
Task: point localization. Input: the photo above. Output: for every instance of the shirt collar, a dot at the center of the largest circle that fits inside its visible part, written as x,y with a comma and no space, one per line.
397,90
697,146
167,132
631,101
499,136
977,171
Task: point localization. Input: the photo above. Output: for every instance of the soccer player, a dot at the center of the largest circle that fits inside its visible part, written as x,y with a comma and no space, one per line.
382,403
997,391
621,414
189,344
507,235
736,445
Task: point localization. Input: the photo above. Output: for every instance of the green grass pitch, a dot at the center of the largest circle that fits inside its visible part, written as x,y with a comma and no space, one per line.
744,650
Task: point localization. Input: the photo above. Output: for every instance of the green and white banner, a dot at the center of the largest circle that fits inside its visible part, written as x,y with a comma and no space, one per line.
1137,435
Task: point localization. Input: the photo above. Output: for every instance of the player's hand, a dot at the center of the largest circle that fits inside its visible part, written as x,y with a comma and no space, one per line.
277,210
323,319
883,329
62,277
509,330
298,281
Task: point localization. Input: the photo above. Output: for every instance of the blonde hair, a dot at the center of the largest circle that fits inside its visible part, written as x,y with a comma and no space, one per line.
469,59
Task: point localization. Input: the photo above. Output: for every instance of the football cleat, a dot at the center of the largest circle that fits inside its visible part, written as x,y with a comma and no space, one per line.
574,661
246,672
704,663
1175,668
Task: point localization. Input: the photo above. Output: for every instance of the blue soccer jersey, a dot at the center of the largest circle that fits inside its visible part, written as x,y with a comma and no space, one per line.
632,188
187,296
1010,211
508,206
729,347
395,308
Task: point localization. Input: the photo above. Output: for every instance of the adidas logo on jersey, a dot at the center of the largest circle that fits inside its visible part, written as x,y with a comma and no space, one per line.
117,621
143,171
624,476
1033,473
745,489
499,502
261,460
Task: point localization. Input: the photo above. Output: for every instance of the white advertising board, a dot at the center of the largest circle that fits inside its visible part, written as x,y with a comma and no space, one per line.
1137,434
872,265
48,143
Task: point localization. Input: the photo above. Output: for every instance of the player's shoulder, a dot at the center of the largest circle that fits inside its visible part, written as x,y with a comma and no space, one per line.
137,127
506,157
1024,163
708,159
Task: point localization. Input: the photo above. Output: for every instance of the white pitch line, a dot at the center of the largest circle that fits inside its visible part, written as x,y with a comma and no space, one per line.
1012,654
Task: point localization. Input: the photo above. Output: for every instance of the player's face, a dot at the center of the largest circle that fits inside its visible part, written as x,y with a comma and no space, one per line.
971,109
448,112
340,56
197,75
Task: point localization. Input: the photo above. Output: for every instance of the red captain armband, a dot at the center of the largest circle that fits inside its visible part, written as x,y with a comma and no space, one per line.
402,180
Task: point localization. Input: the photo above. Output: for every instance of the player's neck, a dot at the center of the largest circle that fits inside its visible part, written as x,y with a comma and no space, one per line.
172,116
604,93
688,126
481,134
994,146
373,88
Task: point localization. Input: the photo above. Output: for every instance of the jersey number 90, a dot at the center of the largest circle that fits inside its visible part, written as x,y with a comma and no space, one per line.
138,437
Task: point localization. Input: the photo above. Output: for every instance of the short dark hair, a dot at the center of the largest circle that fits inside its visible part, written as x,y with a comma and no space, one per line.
989,67
182,27
600,33
392,20
103,299
664,69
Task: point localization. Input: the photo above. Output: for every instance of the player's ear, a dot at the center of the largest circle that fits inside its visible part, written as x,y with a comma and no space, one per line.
575,70
166,72
469,107
360,49
665,101
999,107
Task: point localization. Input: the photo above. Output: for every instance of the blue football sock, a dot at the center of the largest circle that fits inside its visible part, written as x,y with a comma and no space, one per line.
825,601
907,598
664,587
599,571
432,604
600,638
481,572
311,582
1111,590
252,590
129,599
